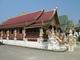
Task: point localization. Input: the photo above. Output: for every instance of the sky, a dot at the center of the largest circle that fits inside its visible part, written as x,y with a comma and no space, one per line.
12,8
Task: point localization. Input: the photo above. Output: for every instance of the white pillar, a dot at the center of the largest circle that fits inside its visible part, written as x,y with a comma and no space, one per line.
1,35
15,33
24,34
7,35
40,39
41,32
76,34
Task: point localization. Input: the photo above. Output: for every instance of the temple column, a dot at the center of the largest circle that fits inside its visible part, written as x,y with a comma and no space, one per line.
15,33
41,32
1,35
24,34
7,35
40,35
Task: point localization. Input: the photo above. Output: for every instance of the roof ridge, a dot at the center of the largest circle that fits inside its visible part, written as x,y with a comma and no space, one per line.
23,15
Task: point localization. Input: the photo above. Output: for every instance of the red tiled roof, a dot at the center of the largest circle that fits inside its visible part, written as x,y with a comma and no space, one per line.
45,16
24,18
27,19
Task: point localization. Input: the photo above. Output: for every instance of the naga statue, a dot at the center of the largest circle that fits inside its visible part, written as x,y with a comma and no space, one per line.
71,41
54,42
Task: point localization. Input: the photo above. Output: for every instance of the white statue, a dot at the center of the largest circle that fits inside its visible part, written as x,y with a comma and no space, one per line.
76,34
53,43
79,33
70,41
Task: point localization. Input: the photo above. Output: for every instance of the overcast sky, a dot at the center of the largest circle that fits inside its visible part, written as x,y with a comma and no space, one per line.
11,8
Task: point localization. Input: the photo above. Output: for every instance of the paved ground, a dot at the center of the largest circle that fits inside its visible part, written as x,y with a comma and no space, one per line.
21,53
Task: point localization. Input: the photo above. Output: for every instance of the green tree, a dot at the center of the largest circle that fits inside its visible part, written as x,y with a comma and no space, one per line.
79,22
63,21
70,25
78,26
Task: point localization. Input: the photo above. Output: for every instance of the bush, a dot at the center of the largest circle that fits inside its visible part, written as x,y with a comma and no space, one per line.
1,43
79,38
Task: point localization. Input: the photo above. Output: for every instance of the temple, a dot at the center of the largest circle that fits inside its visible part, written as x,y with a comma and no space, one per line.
38,30
28,26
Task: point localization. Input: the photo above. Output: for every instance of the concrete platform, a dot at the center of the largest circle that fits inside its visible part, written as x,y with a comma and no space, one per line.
36,45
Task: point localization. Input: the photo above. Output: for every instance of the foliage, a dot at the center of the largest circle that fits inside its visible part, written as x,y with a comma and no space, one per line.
70,24
79,38
63,21
1,43
79,23
77,29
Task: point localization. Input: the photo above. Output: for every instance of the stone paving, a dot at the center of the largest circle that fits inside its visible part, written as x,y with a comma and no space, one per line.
21,53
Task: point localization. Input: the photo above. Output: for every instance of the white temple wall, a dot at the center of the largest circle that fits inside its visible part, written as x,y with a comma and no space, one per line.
22,43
